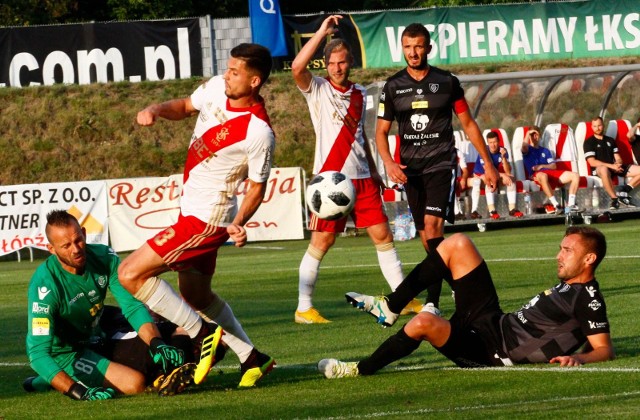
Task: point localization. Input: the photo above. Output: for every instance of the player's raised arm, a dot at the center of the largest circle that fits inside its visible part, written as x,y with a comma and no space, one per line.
301,74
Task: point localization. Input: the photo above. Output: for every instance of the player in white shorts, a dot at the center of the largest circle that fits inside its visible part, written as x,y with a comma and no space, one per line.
337,111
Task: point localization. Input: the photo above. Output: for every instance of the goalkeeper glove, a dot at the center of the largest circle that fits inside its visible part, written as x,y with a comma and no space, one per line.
168,357
81,392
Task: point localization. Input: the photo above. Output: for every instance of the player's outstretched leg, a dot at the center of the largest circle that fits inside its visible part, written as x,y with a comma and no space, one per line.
254,368
374,305
211,352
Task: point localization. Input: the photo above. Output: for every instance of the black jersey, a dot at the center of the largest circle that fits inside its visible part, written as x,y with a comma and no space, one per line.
423,110
603,150
554,323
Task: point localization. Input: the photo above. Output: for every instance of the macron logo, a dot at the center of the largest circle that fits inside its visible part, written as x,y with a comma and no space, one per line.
43,292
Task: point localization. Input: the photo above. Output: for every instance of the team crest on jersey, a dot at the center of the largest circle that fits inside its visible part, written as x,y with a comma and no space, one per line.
419,91
102,281
433,87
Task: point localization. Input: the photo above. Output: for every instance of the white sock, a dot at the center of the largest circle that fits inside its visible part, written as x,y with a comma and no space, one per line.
160,297
490,197
553,200
475,194
234,336
511,196
572,200
390,264
308,276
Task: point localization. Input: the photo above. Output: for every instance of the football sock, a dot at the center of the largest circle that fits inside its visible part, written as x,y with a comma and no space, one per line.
553,201
491,198
308,276
393,348
160,297
431,270
390,264
475,194
435,289
234,336
572,200
511,195
626,188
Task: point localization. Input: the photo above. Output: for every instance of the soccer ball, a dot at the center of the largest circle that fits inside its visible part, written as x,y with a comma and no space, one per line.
331,195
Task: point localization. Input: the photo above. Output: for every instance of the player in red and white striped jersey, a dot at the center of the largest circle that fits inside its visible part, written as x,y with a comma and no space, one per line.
337,110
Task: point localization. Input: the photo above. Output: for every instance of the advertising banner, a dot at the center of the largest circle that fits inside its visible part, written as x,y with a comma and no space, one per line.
100,52
266,26
139,208
24,208
507,33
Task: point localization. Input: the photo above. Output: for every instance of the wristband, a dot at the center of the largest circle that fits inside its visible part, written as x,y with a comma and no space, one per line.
155,343
76,391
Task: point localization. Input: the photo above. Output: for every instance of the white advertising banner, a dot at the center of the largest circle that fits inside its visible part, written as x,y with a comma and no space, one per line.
24,208
141,207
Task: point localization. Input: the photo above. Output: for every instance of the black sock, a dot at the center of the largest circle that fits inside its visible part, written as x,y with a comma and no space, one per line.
626,188
395,347
431,270
433,243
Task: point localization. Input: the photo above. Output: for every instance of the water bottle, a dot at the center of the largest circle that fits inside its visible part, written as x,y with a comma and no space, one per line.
595,198
527,203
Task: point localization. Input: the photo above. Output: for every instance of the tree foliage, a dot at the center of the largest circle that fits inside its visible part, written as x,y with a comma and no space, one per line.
43,12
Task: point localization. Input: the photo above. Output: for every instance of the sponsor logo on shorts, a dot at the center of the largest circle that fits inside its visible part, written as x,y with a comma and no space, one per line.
432,208
40,326
39,308
595,304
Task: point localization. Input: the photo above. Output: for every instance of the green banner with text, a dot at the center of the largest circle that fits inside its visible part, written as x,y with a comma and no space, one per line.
506,33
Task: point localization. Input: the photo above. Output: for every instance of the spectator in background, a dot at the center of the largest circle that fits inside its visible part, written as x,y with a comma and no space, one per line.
500,158
461,185
634,138
601,153
540,166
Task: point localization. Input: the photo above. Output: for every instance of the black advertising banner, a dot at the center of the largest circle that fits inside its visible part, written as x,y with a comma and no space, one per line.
100,52
302,28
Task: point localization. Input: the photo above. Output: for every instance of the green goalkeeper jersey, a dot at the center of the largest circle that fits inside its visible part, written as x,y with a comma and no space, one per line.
64,308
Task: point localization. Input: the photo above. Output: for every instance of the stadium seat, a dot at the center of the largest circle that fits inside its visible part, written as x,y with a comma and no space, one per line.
393,193
618,130
559,138
518,164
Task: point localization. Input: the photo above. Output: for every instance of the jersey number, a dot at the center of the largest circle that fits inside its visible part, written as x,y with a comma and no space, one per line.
85,366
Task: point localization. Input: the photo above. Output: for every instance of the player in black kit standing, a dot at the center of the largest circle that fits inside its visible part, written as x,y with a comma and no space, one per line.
421,99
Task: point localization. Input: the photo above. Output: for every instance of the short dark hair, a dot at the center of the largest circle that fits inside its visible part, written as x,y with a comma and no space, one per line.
492,135
59,218
593,239
535,128
416,30
336,44
596,118
256,57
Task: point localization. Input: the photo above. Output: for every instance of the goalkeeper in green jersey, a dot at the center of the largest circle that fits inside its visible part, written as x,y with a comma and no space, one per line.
66,299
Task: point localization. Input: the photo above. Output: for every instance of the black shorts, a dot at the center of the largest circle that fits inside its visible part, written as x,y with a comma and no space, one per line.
475,339
121,347
432,193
